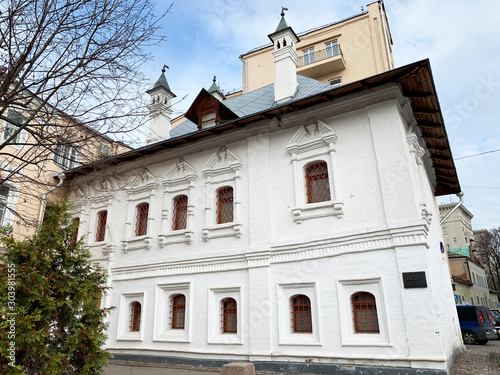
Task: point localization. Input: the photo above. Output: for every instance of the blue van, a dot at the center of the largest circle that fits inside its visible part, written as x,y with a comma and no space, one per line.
476,324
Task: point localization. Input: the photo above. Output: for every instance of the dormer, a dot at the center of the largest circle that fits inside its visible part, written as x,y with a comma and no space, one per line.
208,111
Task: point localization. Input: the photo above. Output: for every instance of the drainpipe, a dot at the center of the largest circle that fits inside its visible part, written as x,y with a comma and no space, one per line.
461,196
61,177
245,74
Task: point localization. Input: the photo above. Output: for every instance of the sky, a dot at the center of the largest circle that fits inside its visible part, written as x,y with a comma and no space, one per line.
461,39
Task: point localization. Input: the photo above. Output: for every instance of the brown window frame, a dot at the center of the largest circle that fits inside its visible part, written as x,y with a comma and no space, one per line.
141,219
229,315
361,309
177,311
301,316
179,216
102,218
135,316
317,182
224,201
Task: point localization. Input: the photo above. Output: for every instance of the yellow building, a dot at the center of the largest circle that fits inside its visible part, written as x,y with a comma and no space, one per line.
30,169
338,53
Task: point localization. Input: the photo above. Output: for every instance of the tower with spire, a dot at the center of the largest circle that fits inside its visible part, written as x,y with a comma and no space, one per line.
285,60
215,90
160,109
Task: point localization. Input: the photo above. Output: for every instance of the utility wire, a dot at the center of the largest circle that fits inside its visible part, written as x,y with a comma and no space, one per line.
482,153
478,171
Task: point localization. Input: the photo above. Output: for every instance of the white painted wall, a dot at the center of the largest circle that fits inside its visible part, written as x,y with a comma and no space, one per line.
381,222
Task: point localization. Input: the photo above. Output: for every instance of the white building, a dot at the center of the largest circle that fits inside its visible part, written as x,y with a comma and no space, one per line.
292,225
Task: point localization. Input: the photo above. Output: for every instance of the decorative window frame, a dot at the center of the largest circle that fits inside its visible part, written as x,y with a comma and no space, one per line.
142,190
215,296
97,204
123,331
161,323
179,180
222,169
286,336
346,288
313,142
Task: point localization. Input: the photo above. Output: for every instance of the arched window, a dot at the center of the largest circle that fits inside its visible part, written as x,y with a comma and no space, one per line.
317,182
364,312
177,311
225,205
135,316
300,306
229,316
141,220
179,217
102,217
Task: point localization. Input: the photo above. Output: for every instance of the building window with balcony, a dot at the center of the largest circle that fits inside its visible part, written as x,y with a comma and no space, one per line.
332,49
308,56
141,220
364,311
317,182
102,217
179,217
225,205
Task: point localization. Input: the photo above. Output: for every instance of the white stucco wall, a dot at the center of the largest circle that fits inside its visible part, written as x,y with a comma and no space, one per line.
381,222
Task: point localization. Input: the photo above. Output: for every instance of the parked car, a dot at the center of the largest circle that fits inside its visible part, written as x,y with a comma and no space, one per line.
476,324
496,321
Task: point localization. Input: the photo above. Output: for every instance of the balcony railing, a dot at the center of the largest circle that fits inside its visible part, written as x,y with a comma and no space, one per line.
320,55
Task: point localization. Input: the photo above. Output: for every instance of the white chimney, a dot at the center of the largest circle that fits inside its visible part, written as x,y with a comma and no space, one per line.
285,61
160,110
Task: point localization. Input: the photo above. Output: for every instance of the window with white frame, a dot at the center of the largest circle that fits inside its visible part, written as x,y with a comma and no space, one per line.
131,317
11,127
66,156
308,56
224,322
208,120
332,48
172,313
312,151
298,314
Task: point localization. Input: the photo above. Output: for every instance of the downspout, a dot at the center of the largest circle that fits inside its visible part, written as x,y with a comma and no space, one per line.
461,196
61,177
245,75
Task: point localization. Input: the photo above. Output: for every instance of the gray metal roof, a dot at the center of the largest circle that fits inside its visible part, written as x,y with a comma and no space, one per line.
258,101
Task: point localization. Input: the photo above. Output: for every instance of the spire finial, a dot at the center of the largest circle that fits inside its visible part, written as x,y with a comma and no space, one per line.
215,78
164,67
283,11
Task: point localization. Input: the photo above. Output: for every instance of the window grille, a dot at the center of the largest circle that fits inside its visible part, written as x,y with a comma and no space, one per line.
364,311
141,220
225,205
76,224
135,316
301,314
229,316
101,225
317,183
180,212
177,311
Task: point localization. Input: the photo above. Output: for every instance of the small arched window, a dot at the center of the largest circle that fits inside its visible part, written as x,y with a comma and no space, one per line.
317,182
364,312
208,120
300,307
225,205
135,316
229,316
179,217
141,220
177,311
102,217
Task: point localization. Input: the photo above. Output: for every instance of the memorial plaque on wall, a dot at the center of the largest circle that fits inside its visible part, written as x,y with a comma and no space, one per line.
414,280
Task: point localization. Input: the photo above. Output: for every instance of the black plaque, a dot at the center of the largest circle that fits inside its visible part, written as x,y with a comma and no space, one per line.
414,280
